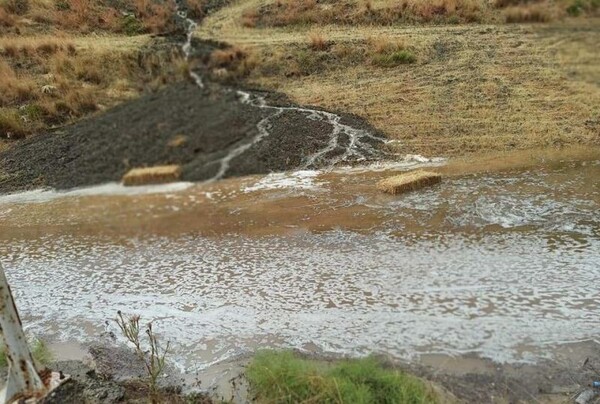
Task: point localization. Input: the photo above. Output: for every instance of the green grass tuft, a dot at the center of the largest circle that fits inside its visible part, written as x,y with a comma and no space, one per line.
40,351
282,377
11,124
394,58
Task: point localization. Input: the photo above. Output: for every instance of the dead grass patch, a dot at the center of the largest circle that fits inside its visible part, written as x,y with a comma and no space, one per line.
528,14
231,64
317,41
353,12
11,124
390,53
283,13
6,19
315,56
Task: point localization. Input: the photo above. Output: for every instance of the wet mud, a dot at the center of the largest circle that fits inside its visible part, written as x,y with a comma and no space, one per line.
210,124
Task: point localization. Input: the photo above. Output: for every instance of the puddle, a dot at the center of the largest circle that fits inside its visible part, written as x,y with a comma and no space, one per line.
501,266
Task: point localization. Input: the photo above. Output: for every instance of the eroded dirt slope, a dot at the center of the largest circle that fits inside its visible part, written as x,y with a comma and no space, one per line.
212,132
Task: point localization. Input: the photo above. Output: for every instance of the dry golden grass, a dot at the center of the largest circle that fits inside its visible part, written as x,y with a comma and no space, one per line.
352,12
64,59
130,17
317,41
285,13
472,88
152,175
381,12
48,80
410,181
231,64
529,14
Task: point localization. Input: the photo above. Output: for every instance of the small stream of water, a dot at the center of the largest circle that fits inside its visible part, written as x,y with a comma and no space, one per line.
353,141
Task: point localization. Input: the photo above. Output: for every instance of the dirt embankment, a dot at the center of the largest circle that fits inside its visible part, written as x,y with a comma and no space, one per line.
203,130
213,131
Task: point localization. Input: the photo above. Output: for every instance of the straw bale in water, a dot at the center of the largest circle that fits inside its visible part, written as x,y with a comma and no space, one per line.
152,175
410,181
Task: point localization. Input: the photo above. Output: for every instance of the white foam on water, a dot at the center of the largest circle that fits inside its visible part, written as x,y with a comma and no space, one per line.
343,292
498,263
509,202
407,162
302,180
307,179
112,188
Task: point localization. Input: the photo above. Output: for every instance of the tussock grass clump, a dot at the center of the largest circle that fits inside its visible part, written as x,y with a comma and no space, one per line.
317,41
12,125
231,64
282,377
394,58
387,53
411,181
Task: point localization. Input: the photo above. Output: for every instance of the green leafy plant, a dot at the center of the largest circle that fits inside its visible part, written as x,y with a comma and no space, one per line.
154,358
578,7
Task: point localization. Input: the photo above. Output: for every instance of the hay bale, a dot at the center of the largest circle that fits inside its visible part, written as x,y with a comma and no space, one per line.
408,182
152,175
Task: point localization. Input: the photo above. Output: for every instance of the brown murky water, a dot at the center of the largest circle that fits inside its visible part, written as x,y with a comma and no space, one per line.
502,265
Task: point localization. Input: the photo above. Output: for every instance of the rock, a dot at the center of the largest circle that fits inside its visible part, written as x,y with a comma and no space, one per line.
48,89
585,396
122,364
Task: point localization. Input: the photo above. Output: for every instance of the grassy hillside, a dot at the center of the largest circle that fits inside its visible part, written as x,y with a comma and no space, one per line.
438,86
389,12
64,59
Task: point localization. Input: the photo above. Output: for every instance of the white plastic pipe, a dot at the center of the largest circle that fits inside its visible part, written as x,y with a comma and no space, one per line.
23,380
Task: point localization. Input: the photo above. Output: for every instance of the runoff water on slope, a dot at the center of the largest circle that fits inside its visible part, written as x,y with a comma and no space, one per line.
502,265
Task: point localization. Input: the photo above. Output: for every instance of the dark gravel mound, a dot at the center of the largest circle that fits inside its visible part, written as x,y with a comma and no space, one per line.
181,124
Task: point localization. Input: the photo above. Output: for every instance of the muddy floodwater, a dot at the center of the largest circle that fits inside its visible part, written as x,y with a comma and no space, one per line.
503,265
